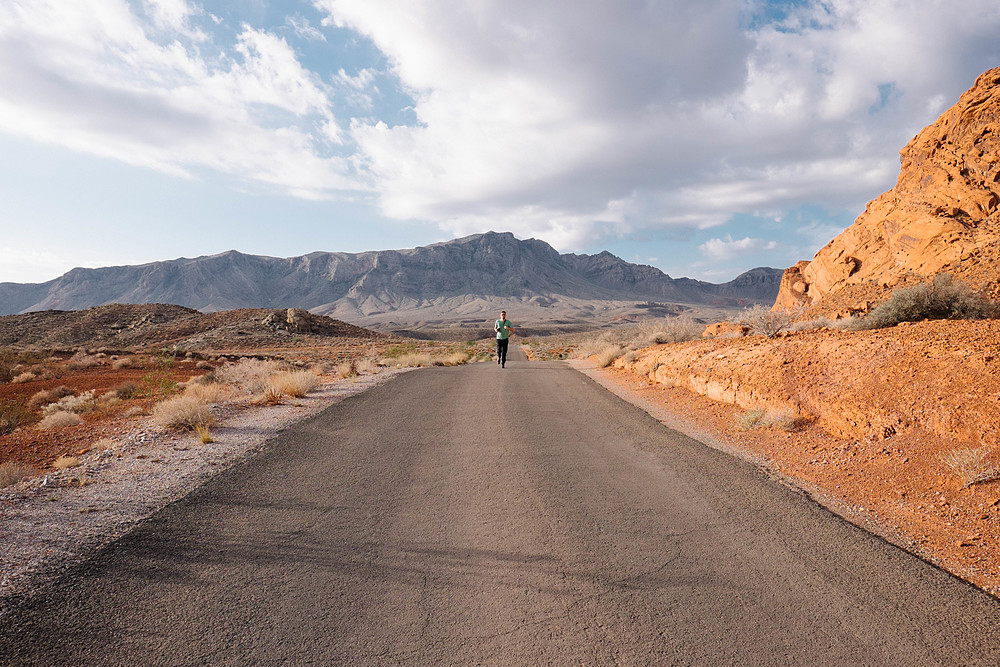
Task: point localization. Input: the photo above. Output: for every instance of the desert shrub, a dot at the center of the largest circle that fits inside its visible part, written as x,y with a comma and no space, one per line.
270,396
210,393
250,375
127,390
204,365
187,412
347,369
136,411
607,355
670,330
46,396
82,360
762,320
13,416
65,461
942,298
11,473
295,383
124,362
60,419
749,420
26,376
82,403
971,465
8,359
366,365
784,418
204,434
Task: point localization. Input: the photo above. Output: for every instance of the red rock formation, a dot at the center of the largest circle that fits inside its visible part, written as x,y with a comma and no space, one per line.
941,216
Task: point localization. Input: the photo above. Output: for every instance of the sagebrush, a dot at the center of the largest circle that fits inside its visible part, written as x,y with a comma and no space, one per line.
764,321
942,298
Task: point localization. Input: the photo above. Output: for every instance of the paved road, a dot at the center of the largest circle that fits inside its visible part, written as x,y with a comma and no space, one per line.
522,516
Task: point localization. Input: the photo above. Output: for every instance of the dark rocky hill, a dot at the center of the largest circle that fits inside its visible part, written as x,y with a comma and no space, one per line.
436,279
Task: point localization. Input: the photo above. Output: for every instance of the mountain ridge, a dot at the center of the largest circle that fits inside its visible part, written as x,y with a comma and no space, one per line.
358,286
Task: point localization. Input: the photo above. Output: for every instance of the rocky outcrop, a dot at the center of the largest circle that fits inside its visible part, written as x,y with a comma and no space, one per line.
298,320
942,216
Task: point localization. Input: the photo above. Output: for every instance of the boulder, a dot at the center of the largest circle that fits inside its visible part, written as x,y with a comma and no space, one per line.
298,320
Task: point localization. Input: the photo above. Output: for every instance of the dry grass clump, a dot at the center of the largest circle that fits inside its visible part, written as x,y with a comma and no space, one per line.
270,396
783,418
46,396
82,360
60,419
124,362
186,412
210,393
250,375
204,434
65,461
449,359
26,376
84,402
607,355
762,320
366,365
971,465
294,383
413,360
347,369
11,473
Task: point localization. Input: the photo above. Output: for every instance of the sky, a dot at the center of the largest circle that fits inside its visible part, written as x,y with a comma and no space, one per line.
703,137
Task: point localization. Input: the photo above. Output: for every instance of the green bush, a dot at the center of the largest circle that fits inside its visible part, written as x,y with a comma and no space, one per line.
940,299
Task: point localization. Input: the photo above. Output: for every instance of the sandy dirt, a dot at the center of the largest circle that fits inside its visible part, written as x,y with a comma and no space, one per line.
876,411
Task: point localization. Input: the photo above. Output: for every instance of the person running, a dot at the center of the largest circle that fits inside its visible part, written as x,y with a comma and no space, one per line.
504,329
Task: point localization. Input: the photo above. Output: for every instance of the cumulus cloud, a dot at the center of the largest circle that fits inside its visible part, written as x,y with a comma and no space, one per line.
98,78
572,120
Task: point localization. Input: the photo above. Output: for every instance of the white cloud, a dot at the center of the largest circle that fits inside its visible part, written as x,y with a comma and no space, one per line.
727,248
91,77
303,29
570,120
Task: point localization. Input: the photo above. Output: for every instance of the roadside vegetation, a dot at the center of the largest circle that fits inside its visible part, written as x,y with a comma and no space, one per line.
942,298
187,391
609,345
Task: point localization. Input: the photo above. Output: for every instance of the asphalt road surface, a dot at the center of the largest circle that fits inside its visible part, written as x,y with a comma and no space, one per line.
518,516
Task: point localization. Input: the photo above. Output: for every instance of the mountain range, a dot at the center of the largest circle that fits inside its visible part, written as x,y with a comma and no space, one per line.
460,277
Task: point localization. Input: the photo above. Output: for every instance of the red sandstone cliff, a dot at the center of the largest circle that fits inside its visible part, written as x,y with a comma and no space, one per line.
941,216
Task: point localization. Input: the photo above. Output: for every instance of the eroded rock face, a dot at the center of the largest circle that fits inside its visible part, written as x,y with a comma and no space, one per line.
941,216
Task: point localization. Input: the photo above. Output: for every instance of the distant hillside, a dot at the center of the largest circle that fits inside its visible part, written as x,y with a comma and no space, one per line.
459,277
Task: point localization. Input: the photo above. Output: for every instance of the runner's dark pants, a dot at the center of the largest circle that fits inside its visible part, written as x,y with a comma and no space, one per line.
502,350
